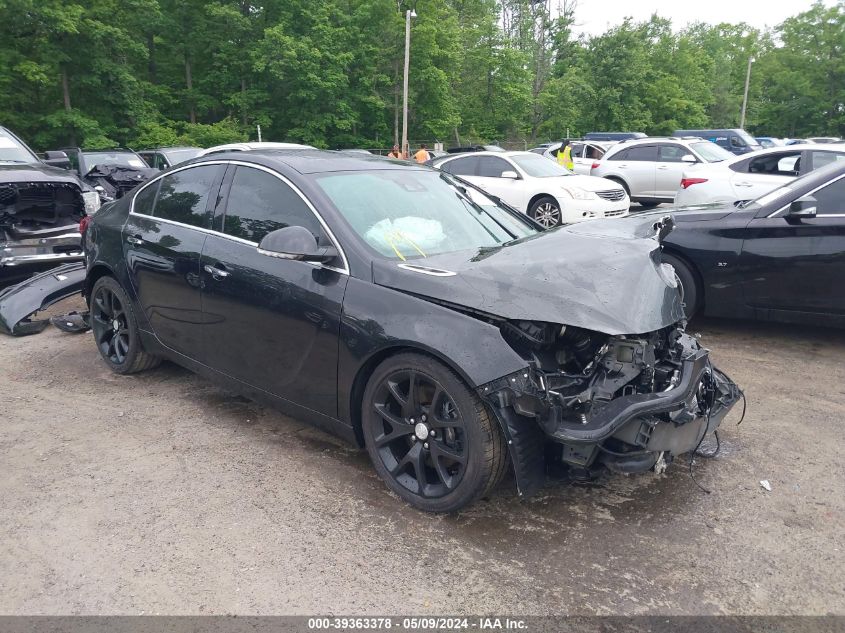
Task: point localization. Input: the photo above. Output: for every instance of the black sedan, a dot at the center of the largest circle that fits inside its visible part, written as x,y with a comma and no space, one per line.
778,258
411,314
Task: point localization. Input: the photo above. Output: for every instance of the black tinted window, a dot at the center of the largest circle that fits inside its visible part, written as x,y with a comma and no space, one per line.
460,166
672,153
643,152
145,199
260,203
492,167
831,199
183,196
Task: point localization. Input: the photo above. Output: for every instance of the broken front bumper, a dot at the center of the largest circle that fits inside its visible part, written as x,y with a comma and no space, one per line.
626,434
18,303
40,250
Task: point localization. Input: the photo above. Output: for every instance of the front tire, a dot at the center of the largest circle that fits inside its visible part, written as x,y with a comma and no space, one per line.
431,439
546,211
689,284
116,330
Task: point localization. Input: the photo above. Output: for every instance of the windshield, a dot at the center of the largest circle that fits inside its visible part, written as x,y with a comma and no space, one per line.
710,152
117,159
539,166
405,214
176,156
13,151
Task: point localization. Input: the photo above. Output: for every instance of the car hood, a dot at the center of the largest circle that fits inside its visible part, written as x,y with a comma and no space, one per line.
701,212
602,275
35,172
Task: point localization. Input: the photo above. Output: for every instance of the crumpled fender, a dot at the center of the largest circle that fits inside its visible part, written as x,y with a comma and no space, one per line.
38,293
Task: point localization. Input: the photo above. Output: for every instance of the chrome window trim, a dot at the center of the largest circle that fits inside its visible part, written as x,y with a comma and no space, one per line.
810,193
239,163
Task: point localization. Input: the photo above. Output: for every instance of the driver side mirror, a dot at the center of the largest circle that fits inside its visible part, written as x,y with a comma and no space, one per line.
511,175
57,158
688,158
803,207
295,242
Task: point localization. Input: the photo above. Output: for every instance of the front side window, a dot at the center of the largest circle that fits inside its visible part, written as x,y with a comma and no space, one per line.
183,197
260,203
406,214
820,159
672,153
831,198
461,166
493,167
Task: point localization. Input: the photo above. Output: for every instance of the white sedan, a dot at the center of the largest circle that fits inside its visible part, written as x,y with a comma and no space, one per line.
538,187
752,175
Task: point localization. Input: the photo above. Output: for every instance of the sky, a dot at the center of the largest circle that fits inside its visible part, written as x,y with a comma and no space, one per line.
595,16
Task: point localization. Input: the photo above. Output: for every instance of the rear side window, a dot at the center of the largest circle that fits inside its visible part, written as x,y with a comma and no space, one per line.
183,196
642,152
145,200
260,203
780,164
460,166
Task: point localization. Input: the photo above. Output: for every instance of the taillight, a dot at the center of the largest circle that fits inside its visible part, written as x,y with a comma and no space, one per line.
83,223
689,182
595,165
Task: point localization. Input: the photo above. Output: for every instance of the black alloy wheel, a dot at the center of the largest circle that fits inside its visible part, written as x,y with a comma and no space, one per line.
115,330
429,437
547,212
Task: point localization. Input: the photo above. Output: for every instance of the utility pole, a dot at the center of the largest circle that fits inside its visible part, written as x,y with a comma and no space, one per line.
745,96
405,149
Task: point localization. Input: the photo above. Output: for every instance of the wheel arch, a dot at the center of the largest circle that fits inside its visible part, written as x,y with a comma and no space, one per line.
621,181
696,273
96,272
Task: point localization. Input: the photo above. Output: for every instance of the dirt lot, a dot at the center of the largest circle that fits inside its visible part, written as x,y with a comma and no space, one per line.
161,494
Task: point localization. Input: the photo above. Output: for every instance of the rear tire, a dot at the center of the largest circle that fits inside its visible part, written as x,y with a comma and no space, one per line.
430,438
689,284
116,329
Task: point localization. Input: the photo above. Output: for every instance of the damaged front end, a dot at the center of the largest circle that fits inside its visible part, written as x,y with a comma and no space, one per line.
588,400
39,226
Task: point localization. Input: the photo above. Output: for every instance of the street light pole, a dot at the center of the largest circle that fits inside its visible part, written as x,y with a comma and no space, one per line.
745,96
405,84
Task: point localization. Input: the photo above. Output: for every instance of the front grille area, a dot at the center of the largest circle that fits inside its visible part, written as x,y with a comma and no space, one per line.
610,214
614,195
41,203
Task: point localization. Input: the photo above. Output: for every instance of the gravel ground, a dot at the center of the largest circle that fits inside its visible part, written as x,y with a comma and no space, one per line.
160,493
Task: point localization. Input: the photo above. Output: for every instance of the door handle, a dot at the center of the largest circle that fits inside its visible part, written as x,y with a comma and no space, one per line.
623,166
743,184
132,239
663,167
216,272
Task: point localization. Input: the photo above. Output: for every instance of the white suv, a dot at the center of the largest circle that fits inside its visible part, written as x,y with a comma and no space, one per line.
535,185
650,169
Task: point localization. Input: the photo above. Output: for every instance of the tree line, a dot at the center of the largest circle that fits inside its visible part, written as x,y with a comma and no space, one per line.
138,73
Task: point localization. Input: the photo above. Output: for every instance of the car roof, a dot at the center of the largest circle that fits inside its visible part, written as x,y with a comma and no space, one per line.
245,147
313,161
170,148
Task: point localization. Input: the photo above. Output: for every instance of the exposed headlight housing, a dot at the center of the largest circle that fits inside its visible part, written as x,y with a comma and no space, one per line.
92,202
579,194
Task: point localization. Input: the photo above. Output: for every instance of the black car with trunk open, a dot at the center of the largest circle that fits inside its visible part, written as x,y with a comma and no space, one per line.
410,313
